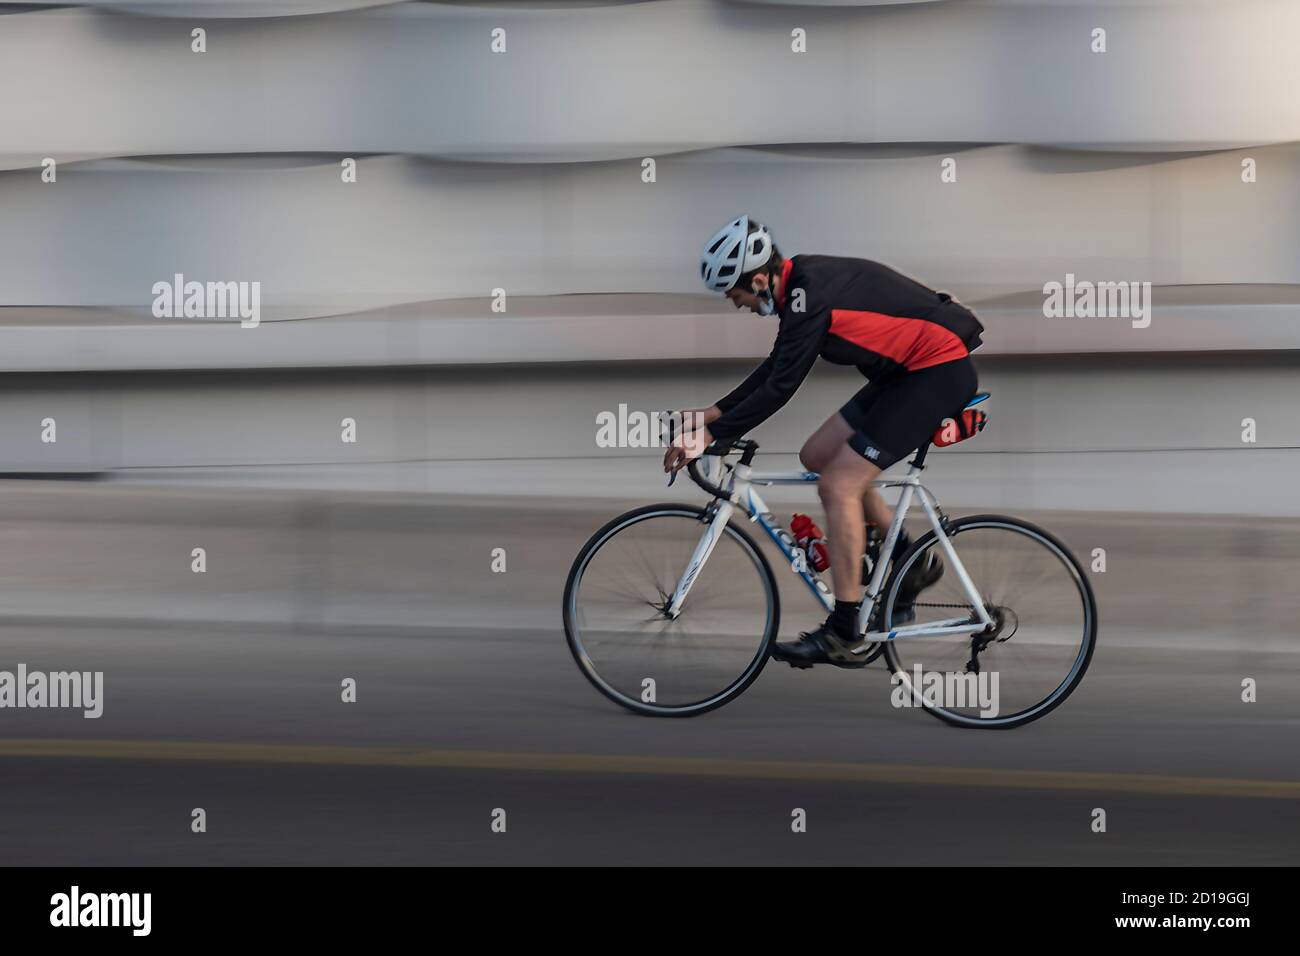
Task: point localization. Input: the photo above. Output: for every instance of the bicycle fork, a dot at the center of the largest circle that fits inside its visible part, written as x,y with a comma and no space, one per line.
708,541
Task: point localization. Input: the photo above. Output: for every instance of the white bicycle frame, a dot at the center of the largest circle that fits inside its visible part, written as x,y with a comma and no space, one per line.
745,498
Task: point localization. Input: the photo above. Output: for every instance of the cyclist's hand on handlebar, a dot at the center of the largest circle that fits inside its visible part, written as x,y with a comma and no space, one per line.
687,420
685,448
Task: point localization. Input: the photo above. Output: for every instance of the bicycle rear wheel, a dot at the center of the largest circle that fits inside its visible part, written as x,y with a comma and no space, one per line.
1045,616
627,646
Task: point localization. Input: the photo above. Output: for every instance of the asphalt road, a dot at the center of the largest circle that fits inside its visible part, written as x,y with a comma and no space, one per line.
223,692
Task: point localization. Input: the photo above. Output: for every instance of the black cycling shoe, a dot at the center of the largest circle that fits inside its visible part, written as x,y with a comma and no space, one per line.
822,646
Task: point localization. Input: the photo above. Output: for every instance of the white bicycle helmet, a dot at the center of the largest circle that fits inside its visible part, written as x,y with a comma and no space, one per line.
733,252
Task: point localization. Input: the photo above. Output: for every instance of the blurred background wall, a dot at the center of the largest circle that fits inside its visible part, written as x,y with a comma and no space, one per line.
569,159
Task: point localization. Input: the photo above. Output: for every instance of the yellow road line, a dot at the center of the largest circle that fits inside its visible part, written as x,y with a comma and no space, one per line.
786,770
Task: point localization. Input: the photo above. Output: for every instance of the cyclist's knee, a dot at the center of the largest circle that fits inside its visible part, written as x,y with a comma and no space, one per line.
846,476
821,447
838,486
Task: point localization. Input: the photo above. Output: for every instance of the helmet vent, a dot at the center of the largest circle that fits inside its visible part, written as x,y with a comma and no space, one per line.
737,249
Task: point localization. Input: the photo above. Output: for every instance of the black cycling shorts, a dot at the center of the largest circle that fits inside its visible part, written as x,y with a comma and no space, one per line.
892,417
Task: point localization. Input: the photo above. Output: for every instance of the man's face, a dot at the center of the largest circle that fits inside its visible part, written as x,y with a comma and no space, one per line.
748,298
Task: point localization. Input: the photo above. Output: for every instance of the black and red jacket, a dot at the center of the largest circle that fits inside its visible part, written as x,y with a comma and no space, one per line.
851,312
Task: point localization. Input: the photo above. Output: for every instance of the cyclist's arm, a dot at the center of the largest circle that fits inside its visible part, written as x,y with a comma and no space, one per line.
797,346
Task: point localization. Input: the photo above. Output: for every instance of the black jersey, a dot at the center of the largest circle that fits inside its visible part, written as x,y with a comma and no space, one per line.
850,312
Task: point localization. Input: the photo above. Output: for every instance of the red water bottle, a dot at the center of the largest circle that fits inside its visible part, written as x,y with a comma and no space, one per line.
810,538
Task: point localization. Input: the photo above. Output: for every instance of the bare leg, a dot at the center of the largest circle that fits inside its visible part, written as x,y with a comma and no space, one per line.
845,480
825,443
877,512
817,455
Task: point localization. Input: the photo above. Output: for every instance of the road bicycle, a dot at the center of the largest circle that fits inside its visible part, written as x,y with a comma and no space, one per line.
672,609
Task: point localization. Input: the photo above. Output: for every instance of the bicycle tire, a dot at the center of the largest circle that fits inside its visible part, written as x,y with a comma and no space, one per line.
1083,659
587,666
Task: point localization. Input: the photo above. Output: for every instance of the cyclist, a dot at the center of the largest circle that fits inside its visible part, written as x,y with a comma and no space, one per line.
911,342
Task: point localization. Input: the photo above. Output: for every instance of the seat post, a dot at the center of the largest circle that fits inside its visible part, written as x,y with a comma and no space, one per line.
919,460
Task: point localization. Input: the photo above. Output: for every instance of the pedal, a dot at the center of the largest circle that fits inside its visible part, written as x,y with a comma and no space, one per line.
800,667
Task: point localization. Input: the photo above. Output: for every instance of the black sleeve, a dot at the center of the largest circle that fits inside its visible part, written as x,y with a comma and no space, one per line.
798,344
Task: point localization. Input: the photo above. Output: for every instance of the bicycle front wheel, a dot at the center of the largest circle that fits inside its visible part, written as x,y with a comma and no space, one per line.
1045,625
621,636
